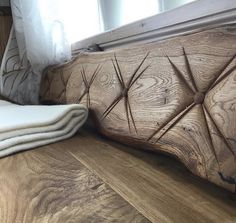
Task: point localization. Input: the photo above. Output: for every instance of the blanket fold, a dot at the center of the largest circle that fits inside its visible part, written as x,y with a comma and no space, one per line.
26,127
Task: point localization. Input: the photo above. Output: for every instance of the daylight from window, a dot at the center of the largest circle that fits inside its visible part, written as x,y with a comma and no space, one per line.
84,19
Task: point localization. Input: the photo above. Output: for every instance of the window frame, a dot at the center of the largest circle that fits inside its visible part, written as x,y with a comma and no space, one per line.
204,14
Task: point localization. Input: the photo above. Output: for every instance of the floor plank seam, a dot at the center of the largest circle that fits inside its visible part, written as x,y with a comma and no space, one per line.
112,187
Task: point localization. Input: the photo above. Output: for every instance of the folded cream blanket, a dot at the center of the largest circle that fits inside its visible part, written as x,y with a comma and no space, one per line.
26,127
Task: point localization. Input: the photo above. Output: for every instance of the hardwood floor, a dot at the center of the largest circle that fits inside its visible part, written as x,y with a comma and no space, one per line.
47,185
90,179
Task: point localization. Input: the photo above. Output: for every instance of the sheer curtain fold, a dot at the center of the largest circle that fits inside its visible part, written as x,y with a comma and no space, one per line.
40,32
39,38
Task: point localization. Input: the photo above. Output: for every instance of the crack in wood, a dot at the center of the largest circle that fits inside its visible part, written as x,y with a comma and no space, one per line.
88,84
189,71
180,75
184,81
221,134
167,122
216,80
183,112
49,82
223,76
210,137
176,119
228,179
64,82
124,94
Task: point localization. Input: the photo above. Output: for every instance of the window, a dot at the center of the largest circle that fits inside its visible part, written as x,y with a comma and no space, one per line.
172,17
85,15
96,16
116,13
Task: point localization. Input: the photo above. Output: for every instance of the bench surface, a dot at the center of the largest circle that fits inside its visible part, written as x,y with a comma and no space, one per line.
91,179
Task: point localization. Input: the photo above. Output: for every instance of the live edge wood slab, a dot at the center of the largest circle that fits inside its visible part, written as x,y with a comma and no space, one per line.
176,96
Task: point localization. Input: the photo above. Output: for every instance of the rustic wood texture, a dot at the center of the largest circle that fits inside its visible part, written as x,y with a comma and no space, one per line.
158,186
48,185
177,96
5,27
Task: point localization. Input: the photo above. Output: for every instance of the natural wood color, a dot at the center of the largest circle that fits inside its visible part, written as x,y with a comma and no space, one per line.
48,185
160,187
5,27
175,96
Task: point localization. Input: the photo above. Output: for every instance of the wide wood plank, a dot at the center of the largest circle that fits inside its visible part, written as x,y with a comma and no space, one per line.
175,96
48,185
160,187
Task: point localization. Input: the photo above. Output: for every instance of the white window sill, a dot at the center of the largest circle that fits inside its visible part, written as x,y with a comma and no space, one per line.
197,15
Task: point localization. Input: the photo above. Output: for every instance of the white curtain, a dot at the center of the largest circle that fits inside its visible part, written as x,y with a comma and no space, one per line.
44,28
42,34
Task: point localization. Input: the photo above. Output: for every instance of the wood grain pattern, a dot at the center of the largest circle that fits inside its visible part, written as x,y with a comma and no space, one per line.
158,186
48,185
175,96
5,27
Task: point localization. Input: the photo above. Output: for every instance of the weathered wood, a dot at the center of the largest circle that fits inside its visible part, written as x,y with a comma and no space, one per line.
158,186
48,185
177,96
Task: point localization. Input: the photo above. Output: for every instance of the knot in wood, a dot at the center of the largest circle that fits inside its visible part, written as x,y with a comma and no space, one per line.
87,90
199,98
125,93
